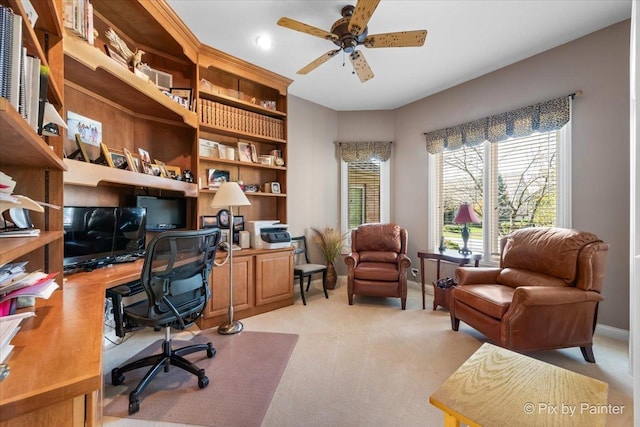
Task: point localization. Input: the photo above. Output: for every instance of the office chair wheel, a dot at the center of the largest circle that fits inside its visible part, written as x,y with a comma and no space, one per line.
134,407
210,351
116,377
203,381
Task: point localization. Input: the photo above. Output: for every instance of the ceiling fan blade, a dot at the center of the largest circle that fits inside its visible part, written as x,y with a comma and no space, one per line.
361,15
318,62
360,66
399,39
292,24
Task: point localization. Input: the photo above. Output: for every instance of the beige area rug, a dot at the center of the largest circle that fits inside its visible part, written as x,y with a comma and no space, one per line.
243,375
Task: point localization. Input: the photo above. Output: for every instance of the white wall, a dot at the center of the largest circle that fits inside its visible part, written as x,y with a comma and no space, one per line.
313,179
597,64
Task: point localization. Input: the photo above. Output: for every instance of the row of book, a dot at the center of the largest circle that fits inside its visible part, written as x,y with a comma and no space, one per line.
23,78
221,115
77,15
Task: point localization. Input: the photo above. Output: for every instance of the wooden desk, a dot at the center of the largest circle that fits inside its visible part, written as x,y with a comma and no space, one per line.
448,255
497,387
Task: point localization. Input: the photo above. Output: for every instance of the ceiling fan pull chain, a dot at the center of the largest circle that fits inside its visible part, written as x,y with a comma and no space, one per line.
343,59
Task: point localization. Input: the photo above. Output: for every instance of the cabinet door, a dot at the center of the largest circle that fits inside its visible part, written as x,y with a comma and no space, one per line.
274,277
243,292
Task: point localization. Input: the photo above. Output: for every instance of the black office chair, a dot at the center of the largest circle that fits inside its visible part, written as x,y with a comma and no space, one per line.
175,277
303,268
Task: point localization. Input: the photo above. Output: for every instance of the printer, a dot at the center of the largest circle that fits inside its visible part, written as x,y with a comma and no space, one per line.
269,234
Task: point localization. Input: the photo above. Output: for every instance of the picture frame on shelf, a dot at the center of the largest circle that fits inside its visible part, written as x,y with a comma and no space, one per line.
245,154
105,156
275,187
131,161
81,152
118,159
184,93
162,167
254,153
90,130
145,161
215,178
223,218
173,172
209,221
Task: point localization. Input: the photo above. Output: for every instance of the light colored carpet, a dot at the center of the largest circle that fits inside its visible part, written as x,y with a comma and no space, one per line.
372,364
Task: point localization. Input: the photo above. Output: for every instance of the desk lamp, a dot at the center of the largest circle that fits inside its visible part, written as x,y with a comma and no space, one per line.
229,195
465,215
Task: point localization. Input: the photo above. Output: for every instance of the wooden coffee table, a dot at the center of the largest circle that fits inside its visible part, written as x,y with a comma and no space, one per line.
498,387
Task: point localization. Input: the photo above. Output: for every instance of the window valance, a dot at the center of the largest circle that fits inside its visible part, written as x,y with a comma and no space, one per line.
362,151
542,117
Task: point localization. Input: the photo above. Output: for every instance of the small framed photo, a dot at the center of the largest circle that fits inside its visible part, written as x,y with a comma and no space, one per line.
223,218
216,177
185,94
245,154
81,152
131,161
162,167
90,130
118,159
173,172
209,221
145,159
254,153
104,152
275,187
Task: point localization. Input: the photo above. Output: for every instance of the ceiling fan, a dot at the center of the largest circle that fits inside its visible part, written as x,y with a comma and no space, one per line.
351,31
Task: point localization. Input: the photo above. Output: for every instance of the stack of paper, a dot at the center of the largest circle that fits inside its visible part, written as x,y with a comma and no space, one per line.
15,282
9,327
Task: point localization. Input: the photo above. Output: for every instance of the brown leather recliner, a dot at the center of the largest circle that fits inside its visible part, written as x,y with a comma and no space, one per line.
544,295
378,263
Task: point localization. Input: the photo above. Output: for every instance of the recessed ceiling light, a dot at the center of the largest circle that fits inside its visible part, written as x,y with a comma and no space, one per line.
264,42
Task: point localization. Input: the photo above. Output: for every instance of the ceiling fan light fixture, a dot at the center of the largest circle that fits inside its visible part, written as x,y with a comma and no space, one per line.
264,42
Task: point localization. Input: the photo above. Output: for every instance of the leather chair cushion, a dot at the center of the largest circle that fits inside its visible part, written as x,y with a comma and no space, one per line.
385,256
378,271
550,251
515,277
378,237
492,300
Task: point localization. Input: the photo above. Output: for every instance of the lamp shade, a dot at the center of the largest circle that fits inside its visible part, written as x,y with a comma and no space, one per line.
229,194
465,215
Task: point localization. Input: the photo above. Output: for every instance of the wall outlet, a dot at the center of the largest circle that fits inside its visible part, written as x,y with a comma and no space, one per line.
414,272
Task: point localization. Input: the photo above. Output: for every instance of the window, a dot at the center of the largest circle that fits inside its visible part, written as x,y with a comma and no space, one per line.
511,184
365,193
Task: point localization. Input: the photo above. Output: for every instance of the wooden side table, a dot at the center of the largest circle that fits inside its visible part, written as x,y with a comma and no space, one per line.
449,255
498,387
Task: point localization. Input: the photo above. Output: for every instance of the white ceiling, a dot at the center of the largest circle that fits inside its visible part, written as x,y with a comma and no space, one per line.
465,39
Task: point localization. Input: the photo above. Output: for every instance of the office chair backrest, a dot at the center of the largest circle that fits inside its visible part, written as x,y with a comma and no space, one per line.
176,274
300,250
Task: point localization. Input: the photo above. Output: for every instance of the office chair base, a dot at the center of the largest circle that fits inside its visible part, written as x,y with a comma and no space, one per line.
162,361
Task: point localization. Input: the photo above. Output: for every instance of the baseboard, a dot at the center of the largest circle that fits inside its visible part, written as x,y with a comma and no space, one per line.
611,332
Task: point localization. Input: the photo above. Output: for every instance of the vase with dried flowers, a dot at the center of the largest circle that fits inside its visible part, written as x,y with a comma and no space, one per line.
331,242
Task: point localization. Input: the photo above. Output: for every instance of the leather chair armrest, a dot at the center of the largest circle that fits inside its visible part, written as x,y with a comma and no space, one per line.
404,262
352,259
531,296
477,275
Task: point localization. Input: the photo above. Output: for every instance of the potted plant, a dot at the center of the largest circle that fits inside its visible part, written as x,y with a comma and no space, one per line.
331,242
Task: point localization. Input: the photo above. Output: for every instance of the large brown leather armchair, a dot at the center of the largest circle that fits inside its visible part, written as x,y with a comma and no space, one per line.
544,295
378,262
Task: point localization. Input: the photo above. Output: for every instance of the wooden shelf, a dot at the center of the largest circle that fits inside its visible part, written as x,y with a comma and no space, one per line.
243,135
92,69
21,145
229,100
256,194
92,175
243,164
15,247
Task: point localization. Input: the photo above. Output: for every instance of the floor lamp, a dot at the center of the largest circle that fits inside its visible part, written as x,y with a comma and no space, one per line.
229,195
